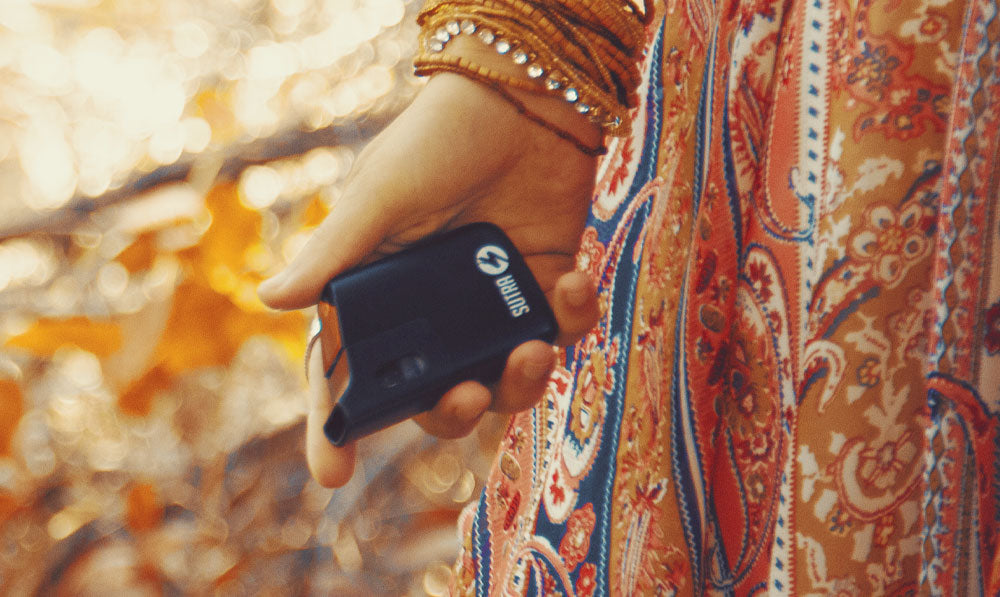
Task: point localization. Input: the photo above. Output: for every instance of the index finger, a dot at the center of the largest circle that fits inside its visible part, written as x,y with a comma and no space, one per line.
352,231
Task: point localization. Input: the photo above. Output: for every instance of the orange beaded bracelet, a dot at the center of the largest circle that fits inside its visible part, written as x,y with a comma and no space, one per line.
585,52
499,82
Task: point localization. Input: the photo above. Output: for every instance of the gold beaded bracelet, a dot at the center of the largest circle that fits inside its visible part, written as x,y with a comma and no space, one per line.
577,48
499,82
584,51
602,110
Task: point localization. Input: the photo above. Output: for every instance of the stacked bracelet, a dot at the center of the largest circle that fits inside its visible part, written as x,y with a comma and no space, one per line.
584,52
548,79
500,83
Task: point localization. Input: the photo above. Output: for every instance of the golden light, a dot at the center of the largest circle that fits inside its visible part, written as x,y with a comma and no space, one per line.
80,367
78,4
375,82
197,134
260,186
290,8
112,280
390,12
6,138
46,67
191,39
47,159
167,143
102,153
23,18
119,124
66,522
322,166
25,263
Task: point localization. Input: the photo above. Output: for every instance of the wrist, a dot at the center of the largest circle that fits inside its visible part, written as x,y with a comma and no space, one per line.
543,103
527,95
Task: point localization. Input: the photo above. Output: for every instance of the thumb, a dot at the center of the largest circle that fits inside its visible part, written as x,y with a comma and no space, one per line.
352,231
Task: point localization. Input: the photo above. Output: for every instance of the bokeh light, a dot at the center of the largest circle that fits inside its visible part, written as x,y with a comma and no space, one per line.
159,159
95,91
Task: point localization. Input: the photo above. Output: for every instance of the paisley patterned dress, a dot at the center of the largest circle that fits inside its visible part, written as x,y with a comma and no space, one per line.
795,385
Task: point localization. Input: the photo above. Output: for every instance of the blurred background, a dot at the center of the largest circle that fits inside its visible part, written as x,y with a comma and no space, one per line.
158,159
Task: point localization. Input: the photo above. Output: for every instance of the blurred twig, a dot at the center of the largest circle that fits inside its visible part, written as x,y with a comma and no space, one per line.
236,159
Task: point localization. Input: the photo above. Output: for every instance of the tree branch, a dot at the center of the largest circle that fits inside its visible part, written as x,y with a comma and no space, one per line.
260,151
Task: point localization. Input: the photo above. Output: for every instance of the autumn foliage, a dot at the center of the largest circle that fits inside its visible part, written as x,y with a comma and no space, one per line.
212,312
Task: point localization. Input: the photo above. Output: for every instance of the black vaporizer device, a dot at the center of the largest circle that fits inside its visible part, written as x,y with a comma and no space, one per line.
418,322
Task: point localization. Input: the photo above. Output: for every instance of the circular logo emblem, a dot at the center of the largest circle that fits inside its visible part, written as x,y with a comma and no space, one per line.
492,260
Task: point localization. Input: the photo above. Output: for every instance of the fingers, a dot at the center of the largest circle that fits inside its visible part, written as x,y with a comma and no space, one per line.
457,412
349,234
330,466
574,302
528,368
525,377
522,385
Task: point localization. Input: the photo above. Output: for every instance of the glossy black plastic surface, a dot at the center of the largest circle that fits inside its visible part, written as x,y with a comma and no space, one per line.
419,322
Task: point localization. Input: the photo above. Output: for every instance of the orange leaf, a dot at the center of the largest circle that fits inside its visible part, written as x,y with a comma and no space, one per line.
196,334
234,227
214,106
143,510
137,399
206,328
140,255
220,257
45,336
315,212
207,325
288,329
11,409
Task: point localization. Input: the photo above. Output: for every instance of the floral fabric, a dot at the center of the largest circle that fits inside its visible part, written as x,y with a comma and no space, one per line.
795,386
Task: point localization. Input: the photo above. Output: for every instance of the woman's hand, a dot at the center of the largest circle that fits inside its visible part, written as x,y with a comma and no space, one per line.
458,154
